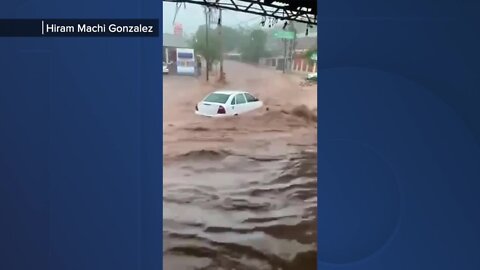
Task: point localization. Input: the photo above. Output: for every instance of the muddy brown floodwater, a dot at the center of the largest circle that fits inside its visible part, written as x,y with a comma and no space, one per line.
240,193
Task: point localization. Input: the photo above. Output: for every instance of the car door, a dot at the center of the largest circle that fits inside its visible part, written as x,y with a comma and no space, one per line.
233,106
240,104
252,102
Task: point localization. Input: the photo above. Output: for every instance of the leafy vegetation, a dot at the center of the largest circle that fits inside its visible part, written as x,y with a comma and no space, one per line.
250,43
308,55
199,43
253,46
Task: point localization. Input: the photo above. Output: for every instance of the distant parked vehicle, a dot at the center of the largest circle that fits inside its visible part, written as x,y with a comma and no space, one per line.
185,61
165,68
227,103
312,76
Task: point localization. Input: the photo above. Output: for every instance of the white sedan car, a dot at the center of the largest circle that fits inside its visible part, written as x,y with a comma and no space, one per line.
227,103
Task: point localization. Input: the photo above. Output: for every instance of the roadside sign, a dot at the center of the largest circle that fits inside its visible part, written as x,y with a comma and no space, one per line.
284,34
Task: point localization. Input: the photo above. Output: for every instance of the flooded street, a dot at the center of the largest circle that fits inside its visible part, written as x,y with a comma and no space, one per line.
240,193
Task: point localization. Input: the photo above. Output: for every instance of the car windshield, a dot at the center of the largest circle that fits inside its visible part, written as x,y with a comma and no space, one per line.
217,98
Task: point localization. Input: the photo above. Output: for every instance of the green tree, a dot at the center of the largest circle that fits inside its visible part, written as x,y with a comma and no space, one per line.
231,38
253,46
308,55
211,51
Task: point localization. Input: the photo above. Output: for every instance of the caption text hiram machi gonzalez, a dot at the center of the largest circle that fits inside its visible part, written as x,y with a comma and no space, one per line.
97,28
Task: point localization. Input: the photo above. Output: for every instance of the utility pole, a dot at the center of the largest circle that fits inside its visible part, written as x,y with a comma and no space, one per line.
221,43
292,47
207,21
284,55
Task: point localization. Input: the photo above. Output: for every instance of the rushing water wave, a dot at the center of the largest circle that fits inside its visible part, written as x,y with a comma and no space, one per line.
229,211
240,193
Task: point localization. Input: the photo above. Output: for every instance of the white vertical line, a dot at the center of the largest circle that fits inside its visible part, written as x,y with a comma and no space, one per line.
43,27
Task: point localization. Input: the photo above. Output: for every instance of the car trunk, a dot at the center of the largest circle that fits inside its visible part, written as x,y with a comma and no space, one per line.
208,108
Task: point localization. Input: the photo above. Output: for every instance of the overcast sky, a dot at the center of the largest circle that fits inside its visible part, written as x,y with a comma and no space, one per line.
193,15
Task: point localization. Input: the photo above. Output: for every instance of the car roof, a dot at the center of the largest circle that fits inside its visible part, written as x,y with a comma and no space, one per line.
229,92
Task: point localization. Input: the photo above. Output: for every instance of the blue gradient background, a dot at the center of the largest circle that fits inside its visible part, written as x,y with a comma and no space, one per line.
399,131
80,143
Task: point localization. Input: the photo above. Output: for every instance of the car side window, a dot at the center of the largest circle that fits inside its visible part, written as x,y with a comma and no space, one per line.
250,98
233,101
240,99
